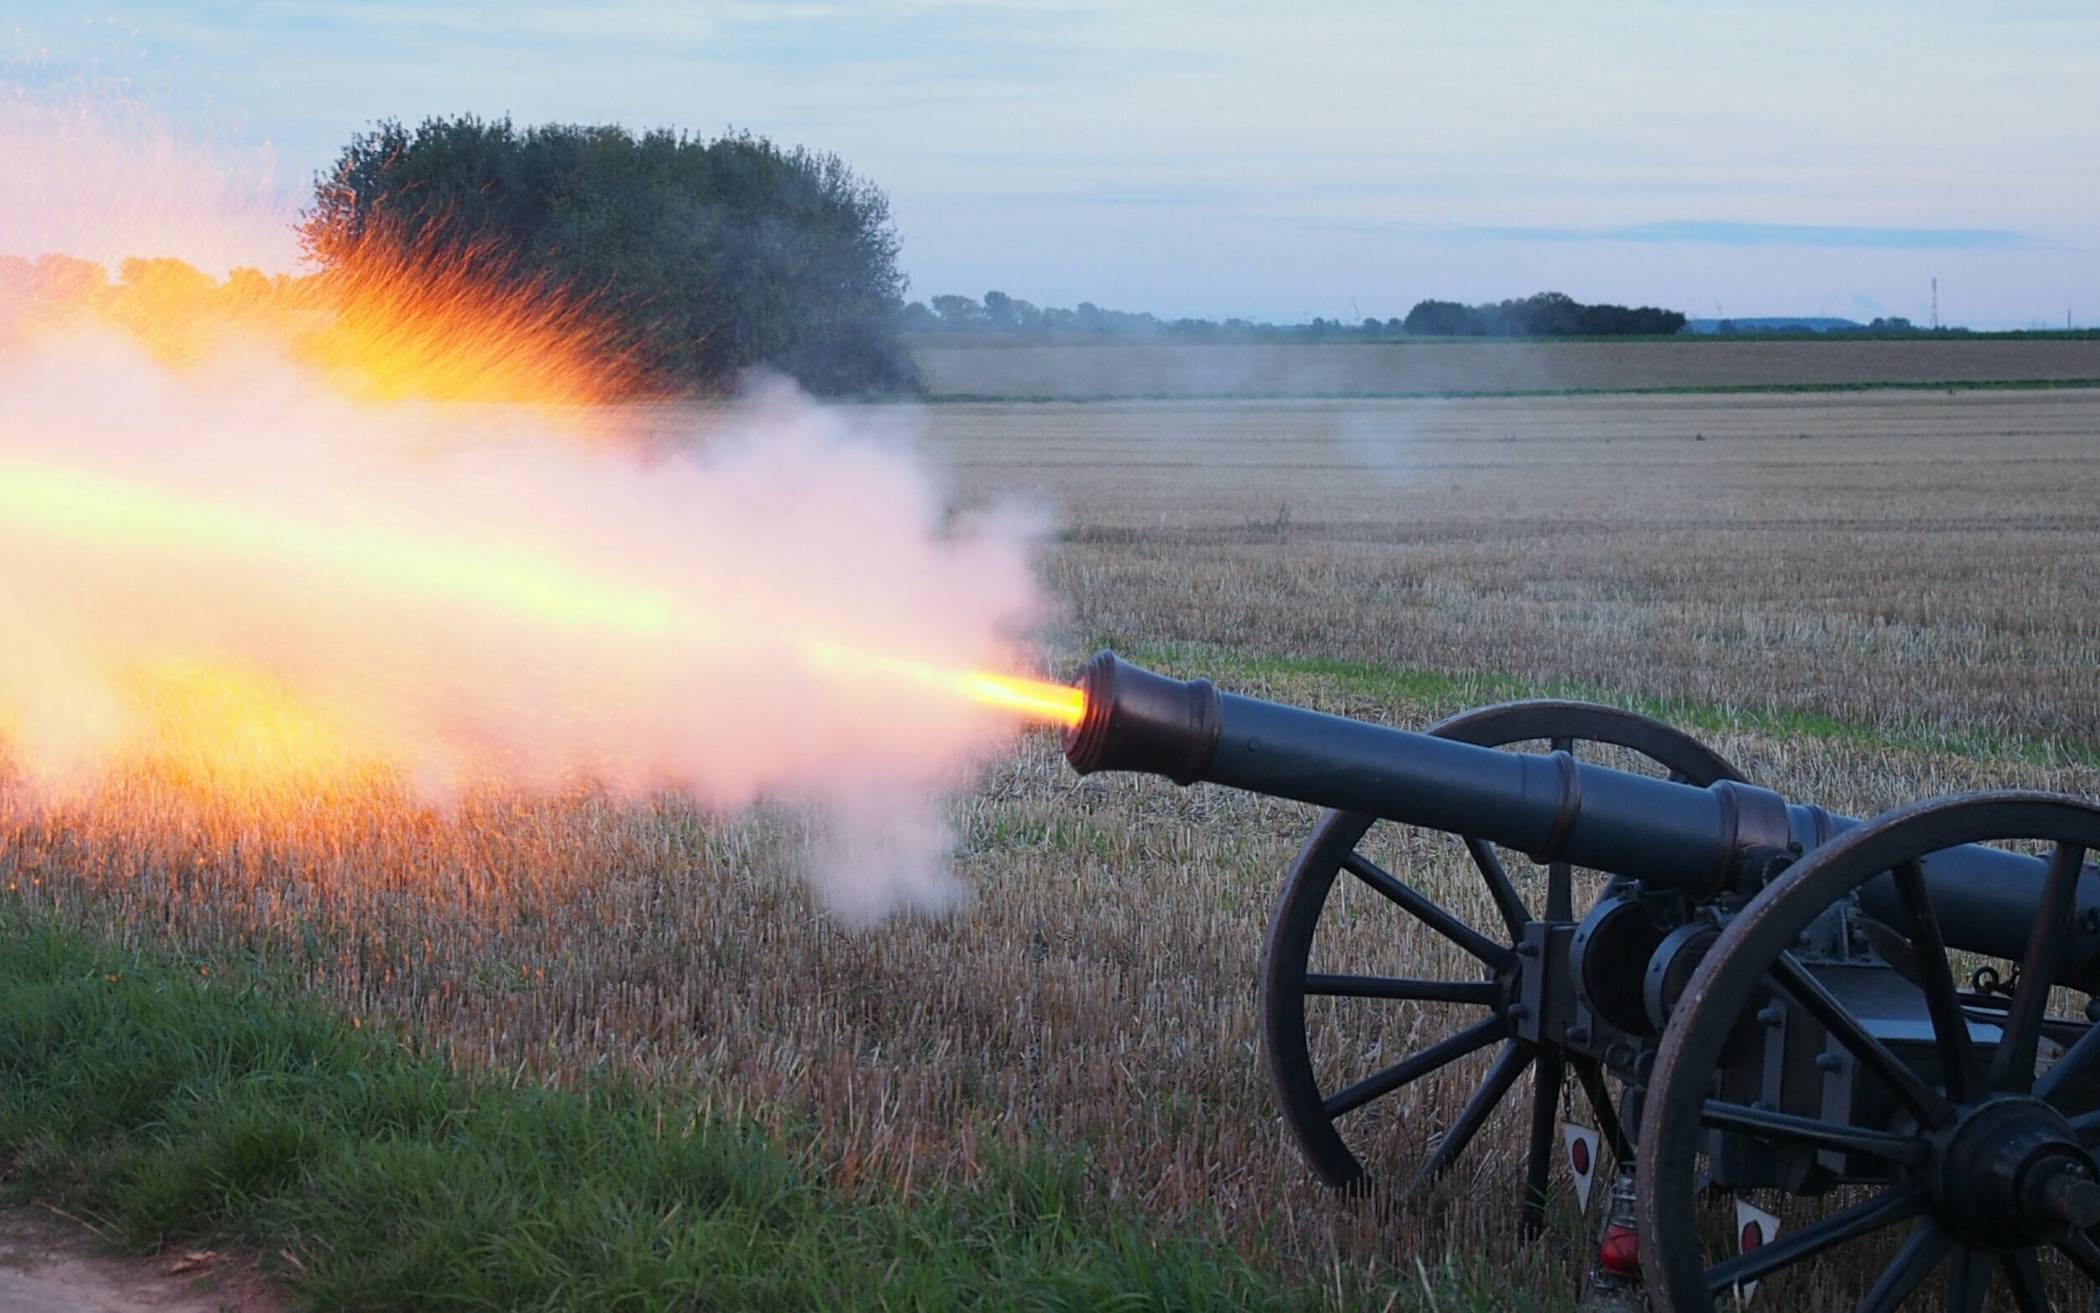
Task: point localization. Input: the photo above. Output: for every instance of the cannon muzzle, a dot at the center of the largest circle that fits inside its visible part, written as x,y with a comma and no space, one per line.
1140,721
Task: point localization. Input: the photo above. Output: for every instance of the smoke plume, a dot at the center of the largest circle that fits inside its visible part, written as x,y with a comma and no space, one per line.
241,568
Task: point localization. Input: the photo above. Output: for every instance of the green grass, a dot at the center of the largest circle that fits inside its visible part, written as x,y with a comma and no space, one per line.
181,1100
1392,684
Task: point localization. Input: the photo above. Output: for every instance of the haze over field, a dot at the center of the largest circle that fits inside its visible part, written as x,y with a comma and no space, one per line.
1335,159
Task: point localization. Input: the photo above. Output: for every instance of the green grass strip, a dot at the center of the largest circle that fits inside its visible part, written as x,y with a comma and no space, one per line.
173,1104
1449,689
1693,389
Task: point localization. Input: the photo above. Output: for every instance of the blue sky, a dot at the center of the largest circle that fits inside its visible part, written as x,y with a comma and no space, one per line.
1271,161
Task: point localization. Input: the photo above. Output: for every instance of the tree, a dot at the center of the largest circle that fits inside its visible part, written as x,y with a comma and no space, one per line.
712,256
1436,319
171,280
998,310
957,312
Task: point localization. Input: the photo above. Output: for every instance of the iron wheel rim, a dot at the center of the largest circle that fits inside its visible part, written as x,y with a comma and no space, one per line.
1754,949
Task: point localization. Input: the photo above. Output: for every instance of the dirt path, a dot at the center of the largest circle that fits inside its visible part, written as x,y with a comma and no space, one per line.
48,1265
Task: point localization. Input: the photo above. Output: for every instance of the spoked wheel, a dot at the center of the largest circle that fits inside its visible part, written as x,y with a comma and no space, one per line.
1980,1173
1454,1013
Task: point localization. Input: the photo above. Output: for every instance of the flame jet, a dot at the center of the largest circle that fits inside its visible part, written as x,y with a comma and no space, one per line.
82,507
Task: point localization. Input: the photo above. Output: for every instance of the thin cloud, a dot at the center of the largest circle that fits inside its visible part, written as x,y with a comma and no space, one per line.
1707,232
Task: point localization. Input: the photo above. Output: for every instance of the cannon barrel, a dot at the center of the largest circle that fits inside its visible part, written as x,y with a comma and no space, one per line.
1550,806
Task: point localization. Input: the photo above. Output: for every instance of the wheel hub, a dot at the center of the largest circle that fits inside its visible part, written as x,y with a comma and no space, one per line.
2010,1171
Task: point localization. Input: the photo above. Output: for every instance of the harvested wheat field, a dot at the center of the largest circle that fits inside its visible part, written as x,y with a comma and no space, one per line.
1900,561
1370,369
1860,599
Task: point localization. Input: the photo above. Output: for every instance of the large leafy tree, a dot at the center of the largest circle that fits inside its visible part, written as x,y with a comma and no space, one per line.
712,256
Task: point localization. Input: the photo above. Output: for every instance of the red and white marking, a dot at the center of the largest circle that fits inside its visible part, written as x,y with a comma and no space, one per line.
1754,1229
1581,1142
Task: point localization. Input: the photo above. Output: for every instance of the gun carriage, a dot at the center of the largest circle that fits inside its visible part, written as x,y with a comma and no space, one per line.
1760,995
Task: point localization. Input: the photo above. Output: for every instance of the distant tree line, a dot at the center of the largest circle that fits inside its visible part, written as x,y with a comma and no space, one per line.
1549,314
711,256
1895,325
1000,313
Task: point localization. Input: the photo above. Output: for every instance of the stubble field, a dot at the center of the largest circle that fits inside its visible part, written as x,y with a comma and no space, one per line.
1861,599
1113,369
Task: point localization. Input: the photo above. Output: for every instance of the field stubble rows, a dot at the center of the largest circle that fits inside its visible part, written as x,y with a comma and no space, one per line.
1389,368
1920,565
1900,561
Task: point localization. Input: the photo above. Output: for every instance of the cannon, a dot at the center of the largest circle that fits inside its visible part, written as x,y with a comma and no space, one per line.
1885,1025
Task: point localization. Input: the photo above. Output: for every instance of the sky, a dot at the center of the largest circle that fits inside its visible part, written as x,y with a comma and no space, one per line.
1273,162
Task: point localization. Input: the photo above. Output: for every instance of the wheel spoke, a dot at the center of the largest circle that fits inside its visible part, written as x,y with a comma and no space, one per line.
1474,1037
1508,1066
1884,1145
1420,991
2081,1250
1968,1281
2023,1272
1548,1071
1950,1026
1919,1255
1560,891
2086,1126
1599,1094
2013,1066
1790,1247
1427,912
1500,887
2069,1082
1809,992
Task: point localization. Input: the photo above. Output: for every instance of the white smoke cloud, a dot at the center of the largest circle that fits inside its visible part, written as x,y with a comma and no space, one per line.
474,595
750,601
